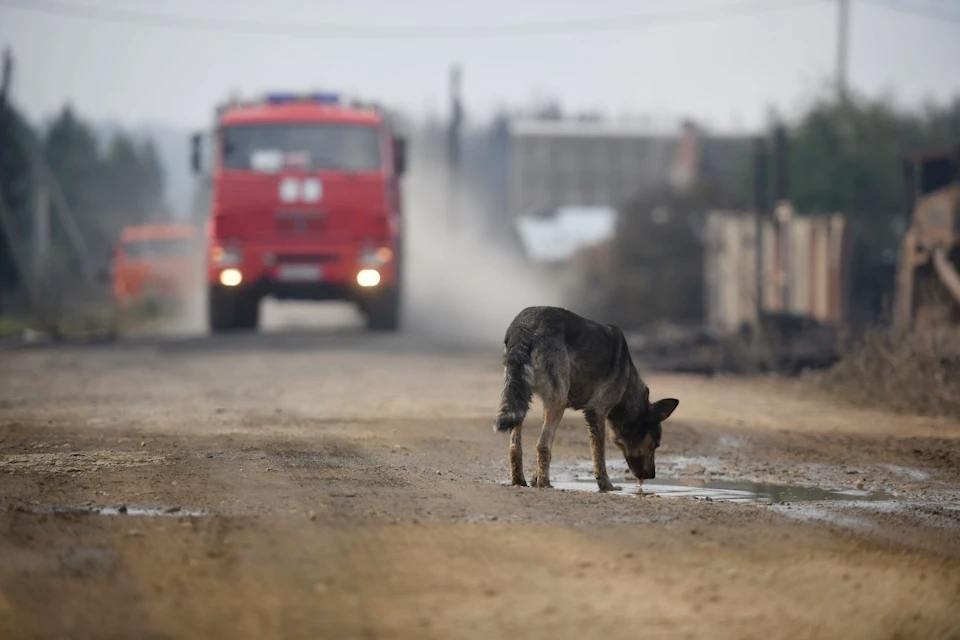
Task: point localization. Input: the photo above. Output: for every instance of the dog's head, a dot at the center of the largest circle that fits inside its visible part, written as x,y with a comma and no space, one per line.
640,439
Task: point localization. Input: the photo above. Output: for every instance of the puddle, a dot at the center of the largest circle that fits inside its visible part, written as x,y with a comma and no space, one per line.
722,490
907,472
125,510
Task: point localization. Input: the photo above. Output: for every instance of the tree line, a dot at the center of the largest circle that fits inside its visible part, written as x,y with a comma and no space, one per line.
106,185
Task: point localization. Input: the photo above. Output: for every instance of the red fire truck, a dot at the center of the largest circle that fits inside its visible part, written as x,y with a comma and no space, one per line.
306,204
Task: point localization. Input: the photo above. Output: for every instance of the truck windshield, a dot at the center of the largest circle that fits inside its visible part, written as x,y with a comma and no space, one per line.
274,147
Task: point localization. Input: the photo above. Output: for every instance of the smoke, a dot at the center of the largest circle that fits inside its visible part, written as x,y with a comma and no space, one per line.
464,282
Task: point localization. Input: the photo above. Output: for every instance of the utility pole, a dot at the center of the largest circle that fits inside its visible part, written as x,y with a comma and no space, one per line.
782,211
68,221
6,78
41,222
781,164
843,36
453,149
760,161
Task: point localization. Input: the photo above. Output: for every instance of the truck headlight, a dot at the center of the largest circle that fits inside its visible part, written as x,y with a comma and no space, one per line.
226,256
368,277
231,277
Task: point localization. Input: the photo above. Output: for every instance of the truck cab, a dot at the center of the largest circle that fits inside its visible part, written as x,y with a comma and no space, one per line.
306,204
155,264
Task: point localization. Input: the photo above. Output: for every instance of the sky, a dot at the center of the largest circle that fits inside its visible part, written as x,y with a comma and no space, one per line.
728,64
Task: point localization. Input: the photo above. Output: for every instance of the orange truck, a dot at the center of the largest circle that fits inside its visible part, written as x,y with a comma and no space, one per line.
155,263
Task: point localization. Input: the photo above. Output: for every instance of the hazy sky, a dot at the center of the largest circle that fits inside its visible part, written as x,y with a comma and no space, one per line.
172,61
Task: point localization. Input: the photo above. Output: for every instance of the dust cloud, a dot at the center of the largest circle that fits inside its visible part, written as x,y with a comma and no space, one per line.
462,284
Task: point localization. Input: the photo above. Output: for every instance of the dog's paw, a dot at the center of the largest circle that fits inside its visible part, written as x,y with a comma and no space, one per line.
540,482
518,482
606,485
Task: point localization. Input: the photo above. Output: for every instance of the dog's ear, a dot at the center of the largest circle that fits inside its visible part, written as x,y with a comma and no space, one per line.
661,409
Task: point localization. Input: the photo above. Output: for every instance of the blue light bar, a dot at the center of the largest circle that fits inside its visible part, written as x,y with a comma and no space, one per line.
281,98
325,98
287,98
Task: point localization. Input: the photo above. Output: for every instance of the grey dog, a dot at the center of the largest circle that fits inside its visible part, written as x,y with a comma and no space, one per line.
573,362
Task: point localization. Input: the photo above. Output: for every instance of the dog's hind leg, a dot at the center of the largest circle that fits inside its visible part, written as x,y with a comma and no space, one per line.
516,457
551,420
598,437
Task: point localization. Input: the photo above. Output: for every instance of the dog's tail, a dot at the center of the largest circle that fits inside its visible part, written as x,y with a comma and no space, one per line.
518,378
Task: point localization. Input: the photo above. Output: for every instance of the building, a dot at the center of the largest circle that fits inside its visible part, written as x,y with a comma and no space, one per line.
569,231
556,163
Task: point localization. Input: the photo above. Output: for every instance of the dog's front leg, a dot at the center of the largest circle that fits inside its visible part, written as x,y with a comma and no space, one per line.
516,457
551,420
598,424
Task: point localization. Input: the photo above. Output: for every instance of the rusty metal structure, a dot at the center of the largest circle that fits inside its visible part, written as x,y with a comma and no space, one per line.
803,263
928,271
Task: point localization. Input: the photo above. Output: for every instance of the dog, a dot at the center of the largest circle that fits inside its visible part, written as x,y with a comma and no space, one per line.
573,362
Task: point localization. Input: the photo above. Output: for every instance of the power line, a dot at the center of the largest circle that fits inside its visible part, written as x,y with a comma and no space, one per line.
923,10
384,32
843,39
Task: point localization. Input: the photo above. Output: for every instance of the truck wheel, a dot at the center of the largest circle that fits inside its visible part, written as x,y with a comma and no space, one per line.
220,310
383,311
248,311
229,310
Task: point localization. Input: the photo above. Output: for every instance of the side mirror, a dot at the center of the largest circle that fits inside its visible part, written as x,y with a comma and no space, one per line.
399,155
196,145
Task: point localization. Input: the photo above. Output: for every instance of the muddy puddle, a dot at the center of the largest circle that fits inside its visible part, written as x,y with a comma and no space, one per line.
718,490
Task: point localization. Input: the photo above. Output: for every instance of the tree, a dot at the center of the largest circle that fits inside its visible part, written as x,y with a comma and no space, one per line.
130,189
15,189
107,190
70,150
845,157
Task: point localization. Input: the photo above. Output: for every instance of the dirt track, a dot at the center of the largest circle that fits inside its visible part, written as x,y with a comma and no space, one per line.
350,487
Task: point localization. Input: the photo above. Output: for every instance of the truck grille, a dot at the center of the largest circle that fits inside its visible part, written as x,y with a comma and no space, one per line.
296,222
301,258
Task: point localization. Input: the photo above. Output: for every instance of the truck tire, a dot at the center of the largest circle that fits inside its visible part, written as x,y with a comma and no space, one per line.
248,311
219,310
230,310
383,311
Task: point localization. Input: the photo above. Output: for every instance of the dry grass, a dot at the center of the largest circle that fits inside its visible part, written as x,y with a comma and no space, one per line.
917,372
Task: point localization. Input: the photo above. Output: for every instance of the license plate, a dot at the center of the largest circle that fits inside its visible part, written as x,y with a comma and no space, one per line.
299,272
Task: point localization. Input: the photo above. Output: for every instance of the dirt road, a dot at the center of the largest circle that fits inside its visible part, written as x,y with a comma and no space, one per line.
340,485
